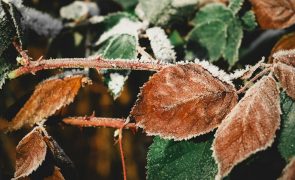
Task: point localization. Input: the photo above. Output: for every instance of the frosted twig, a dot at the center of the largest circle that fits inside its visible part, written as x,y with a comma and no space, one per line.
91,121
90,62
251,81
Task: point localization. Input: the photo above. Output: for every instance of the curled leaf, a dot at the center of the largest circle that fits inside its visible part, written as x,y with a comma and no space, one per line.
249,127
30,153
274,14
48,97
183,101
286,76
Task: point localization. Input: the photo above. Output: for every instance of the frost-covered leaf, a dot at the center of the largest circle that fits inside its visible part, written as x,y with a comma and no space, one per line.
161,45
61,159
289,171
218,31
126,4
235,5
287,42
183,101
168,159
79,10
4,68
274,14
287,133
285,56
49,96
124,26
30,153
7,29
249,21
249,127
286,76
165,12
121,46
42,23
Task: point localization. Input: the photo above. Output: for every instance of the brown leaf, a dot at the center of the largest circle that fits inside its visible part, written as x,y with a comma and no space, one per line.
48,97
274,14
287,42
289,171
30,153
57,175
285,56
286,76
249,127
183,101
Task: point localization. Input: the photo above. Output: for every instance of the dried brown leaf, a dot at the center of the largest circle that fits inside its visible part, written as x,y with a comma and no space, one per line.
48,97
274,14
289,171
30,153
183,101
249,127
287,42
57,175
285,56
286,76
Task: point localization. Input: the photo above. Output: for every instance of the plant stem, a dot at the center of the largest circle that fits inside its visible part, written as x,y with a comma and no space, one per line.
99,122
251,81
122,153
90,62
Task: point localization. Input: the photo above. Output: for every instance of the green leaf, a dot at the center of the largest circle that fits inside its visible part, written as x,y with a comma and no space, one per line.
165,12
235,5
126,4
218,31
121,46
287,134
168,159
248,20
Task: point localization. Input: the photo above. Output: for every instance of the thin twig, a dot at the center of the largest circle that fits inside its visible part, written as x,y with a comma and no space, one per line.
90,62
248,84
117,123
122,153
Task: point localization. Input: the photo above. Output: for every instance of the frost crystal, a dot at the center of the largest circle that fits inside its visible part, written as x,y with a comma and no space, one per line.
239,72
124,26
161,45
116,83
43,24
284,53
215,71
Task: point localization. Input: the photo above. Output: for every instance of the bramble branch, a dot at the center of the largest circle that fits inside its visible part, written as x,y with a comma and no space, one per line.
117,123
90,62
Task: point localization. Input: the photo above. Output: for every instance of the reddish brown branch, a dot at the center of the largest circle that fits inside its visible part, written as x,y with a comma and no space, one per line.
117,123
91,62
122,154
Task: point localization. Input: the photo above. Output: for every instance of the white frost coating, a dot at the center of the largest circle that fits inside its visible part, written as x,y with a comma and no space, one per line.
17,3
215,71
2,80
124,26
161,45
96,19
284,53
43,24
239,72
79,10
116,83
183,3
